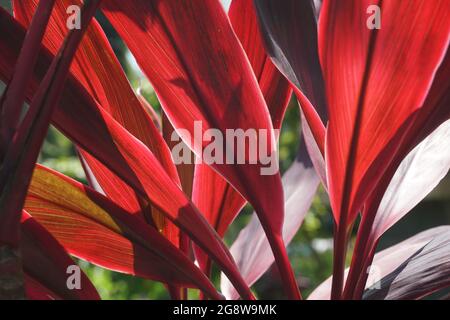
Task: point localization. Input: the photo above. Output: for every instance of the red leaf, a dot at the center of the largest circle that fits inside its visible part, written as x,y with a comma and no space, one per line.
14,95
290,36
389,203
92,128
18,163
45,264
200,73
221,208
186,174
98,69
375,80
93,228
377,97
273,84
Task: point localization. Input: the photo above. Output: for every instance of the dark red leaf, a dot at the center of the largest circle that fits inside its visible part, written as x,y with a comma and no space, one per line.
14,95
221,208
18,163
198,69
98,69
92,128
290,36
46,263
93,228
375,81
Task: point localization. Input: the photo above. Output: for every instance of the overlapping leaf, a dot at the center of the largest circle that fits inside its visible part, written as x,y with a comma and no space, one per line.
251,249
22,152
41,253
418,174
93,228
374,84
92,128
300,181
377,214
179,45
13,97
422,274
98,69
221,208
426,246
290,36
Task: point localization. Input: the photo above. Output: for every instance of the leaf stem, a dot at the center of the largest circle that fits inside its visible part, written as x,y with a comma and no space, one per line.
14,95
21,155
339,255
284,266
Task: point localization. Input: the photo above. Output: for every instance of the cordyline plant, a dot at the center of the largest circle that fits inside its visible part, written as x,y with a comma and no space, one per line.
375,109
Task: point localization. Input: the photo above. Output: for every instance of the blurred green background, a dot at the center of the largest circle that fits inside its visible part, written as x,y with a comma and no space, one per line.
310,251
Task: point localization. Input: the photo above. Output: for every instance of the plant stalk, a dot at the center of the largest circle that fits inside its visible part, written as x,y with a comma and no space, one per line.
284,267
339,255
11,278
21,155
14,95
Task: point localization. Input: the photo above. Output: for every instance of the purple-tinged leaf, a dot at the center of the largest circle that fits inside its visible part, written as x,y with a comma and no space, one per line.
423,273
290,34
392,258
251,250
418,174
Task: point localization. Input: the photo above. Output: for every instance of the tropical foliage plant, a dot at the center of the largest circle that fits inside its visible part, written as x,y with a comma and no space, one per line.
374,105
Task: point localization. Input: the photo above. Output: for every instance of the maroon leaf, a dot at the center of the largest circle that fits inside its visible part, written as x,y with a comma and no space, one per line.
221,208
92,128
98,69
374,85
93,228
41,253
290,36
424,272
14,95
179,46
